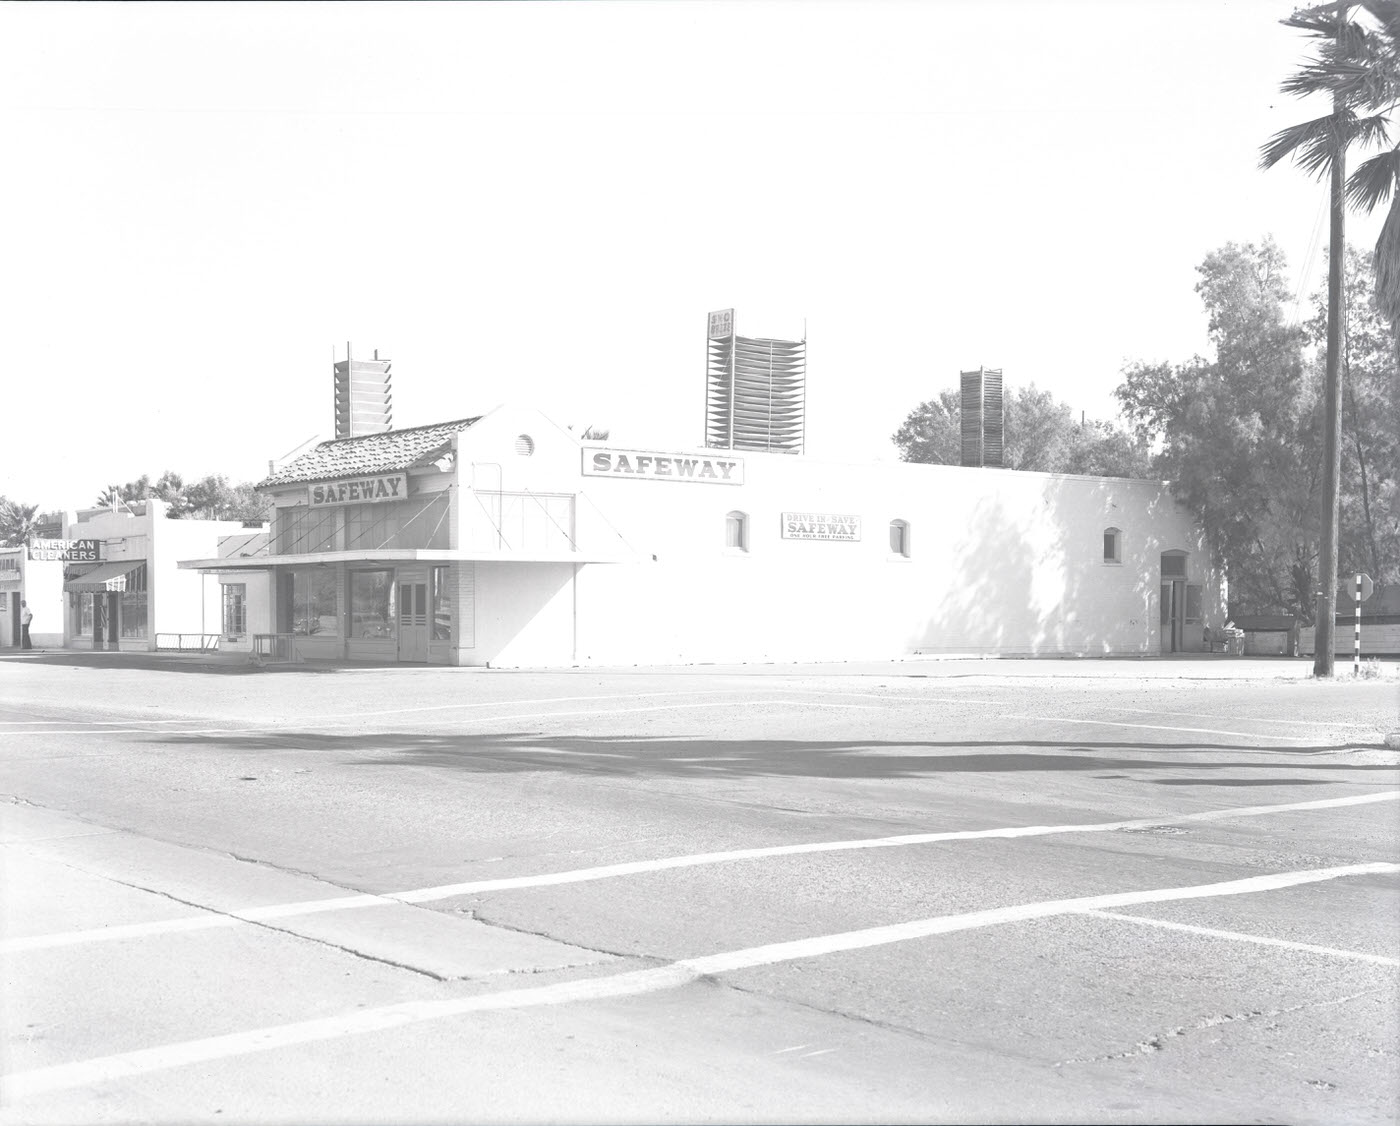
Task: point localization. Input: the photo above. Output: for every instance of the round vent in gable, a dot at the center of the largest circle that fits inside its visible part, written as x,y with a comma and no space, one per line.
524,445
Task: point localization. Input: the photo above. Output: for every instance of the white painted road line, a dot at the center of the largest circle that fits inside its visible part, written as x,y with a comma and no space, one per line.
127,1065
1236,936
640,867
1155,727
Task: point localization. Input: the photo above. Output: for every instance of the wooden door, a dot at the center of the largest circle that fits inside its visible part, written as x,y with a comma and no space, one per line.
413,621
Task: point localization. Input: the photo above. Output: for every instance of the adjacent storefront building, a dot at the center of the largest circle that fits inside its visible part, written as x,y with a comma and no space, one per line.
110,580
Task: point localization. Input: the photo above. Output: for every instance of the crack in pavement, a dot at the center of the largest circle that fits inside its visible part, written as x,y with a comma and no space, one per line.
647,959
1157,1042
330,945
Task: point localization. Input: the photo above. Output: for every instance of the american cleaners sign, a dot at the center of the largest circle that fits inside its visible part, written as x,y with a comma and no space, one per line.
66,551
663,467
359,490
820,526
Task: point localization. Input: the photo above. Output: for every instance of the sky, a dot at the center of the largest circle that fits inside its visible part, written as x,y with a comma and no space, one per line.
539,203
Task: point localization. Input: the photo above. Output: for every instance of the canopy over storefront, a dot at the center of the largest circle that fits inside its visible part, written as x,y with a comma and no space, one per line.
107,577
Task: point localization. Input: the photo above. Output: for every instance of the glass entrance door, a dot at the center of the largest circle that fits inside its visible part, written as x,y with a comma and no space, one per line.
413,621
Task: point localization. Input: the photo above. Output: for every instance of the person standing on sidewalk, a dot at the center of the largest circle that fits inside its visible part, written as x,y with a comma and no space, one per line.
26,615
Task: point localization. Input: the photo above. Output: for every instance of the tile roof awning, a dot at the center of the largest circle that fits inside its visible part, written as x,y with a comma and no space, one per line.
108,577
389,451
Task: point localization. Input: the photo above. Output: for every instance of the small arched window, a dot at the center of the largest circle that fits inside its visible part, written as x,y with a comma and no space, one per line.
1112,545
524,445
899,538
736,531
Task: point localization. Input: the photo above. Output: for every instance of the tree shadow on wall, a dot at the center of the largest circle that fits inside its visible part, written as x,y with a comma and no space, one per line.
1030,577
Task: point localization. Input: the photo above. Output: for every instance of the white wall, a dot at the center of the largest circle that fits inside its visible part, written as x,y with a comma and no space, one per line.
1000,562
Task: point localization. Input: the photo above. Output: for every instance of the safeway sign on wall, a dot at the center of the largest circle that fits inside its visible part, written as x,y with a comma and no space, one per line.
663,467
821,526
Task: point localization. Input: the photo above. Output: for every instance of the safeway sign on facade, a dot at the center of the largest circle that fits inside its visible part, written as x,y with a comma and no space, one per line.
821,526
663,466
359,490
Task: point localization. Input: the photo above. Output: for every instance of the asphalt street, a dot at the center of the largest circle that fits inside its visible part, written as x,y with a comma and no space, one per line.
1012,891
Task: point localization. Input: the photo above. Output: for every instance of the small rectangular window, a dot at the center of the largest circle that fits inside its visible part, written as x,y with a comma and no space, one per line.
235,609
1112,545
1193,604
735,532
442,605
899,538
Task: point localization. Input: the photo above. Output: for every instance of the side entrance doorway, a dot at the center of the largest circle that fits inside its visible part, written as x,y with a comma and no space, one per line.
1173,614
413,620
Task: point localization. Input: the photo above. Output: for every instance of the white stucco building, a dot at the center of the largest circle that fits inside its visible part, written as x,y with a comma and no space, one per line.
503,540
110,580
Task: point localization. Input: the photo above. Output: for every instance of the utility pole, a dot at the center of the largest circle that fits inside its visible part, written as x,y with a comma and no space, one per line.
1324,657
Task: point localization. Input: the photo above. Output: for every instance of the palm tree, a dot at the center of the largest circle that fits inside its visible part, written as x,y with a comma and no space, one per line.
1358,67
17,522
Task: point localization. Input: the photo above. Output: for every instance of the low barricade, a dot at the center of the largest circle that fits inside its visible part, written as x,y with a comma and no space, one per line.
274,649
187,642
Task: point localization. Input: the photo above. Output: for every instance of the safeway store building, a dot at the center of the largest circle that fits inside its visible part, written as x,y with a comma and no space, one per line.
504,540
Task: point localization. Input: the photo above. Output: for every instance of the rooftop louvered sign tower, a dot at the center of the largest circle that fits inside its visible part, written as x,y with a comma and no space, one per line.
364,400
983,426
755,390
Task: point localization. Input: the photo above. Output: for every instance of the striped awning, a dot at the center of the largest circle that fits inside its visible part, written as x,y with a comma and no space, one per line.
108,577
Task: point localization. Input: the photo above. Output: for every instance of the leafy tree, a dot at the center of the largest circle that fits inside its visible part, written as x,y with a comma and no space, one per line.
1040,434
17,522
1370,450
213,498
210,498
129,493
1239,435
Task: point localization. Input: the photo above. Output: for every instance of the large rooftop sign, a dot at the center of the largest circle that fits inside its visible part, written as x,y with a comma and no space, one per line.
359,490
663,466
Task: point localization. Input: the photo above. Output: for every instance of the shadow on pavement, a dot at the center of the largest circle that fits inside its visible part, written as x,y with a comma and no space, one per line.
225,664
687,758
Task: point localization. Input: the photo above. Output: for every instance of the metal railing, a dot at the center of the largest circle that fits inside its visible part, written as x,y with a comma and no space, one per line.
274,648
187,642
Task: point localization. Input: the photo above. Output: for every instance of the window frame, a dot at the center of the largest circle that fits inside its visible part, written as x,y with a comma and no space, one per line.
736,519
321,574
388,622
904,548
440,603
1113,557
240,601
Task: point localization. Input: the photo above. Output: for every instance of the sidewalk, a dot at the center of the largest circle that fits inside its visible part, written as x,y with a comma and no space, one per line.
1177,666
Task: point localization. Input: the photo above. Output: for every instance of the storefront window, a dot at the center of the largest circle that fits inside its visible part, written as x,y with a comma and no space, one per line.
442,605
81,605
235,609
314,607
133,611
372,603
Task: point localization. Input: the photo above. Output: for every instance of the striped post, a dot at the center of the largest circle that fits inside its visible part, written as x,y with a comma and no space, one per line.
1356,658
